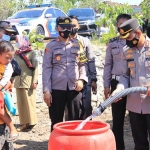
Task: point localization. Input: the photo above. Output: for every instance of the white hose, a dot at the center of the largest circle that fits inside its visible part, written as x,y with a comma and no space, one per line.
111,99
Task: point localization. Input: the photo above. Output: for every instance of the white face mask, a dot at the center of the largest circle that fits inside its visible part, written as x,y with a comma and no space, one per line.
17,45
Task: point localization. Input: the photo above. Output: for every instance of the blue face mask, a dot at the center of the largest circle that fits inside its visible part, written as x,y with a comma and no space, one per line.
5,37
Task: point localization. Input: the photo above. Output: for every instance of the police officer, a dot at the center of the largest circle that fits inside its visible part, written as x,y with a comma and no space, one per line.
64,74
136,72
91,69
112,72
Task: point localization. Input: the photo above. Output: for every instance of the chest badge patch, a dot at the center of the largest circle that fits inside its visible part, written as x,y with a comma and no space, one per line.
58,58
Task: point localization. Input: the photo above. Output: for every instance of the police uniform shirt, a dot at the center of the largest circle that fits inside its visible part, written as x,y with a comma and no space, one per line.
113,60
61,66
91,69
136,72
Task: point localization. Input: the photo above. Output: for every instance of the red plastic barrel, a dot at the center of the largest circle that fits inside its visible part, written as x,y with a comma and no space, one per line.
95,135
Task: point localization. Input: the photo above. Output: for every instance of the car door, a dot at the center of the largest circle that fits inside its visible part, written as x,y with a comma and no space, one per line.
51,23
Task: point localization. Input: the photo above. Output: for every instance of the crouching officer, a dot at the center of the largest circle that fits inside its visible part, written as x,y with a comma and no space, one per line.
136,72
64,74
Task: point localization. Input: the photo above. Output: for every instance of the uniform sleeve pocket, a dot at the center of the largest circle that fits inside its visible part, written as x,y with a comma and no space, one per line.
147,69
131,66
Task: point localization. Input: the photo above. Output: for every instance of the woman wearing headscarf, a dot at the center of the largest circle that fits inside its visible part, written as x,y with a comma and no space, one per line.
26,83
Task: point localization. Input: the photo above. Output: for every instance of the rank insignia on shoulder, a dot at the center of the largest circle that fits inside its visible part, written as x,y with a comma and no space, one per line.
113,39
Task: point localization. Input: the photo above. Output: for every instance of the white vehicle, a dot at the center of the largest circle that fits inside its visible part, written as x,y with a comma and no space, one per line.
40,17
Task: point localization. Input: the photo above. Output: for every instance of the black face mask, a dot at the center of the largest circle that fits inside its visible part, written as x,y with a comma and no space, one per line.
132,43
74,31
64,34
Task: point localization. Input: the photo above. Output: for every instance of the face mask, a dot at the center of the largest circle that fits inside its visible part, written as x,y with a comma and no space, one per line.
132,43
74,31
64,34
5,37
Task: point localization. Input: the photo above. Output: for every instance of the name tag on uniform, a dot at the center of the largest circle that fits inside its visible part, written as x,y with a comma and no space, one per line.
74,44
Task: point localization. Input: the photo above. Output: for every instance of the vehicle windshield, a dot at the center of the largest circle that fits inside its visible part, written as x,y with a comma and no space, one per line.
81,12
28,14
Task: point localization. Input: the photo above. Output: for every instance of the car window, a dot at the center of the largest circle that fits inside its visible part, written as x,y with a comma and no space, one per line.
50,11
59,13
28,14
81,12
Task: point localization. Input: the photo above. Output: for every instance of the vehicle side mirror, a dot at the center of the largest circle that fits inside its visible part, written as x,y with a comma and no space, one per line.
48,15
98,15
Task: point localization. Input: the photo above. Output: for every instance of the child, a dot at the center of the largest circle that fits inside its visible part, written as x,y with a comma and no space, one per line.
6,54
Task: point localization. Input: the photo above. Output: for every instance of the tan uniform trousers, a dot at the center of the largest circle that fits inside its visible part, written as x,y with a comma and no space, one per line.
26,101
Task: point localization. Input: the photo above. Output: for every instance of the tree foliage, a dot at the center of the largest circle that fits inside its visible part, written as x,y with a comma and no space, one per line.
6,8
64,5
109,18
145,6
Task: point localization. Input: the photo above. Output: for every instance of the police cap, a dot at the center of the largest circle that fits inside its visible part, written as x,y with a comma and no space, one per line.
128,26
64,21
6,26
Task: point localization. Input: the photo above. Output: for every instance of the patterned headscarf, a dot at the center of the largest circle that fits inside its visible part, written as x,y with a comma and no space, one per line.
23,41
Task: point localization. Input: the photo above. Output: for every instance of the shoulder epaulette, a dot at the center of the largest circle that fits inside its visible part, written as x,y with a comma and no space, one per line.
114,39
53,40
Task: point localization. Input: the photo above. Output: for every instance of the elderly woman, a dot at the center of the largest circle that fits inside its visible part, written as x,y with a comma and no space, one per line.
26,83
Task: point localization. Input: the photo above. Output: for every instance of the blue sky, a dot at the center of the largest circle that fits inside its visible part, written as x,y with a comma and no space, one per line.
130,2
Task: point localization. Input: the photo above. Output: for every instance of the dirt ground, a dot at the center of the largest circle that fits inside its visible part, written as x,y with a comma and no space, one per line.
37,138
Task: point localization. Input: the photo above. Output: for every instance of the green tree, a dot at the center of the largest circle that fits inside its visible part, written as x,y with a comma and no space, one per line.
36,1
145,6
88,3
109,18
64,5
7,8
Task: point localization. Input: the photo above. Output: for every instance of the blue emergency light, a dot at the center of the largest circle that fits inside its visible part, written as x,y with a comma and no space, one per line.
41,5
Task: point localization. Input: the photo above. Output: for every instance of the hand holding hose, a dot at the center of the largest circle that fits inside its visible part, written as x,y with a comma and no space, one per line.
148,91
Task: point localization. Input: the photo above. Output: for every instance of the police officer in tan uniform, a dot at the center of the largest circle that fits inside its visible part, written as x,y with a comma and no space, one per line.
136,72
91,69
64,74
112,72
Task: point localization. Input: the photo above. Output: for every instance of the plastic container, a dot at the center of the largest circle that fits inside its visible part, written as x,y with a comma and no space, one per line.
95,135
